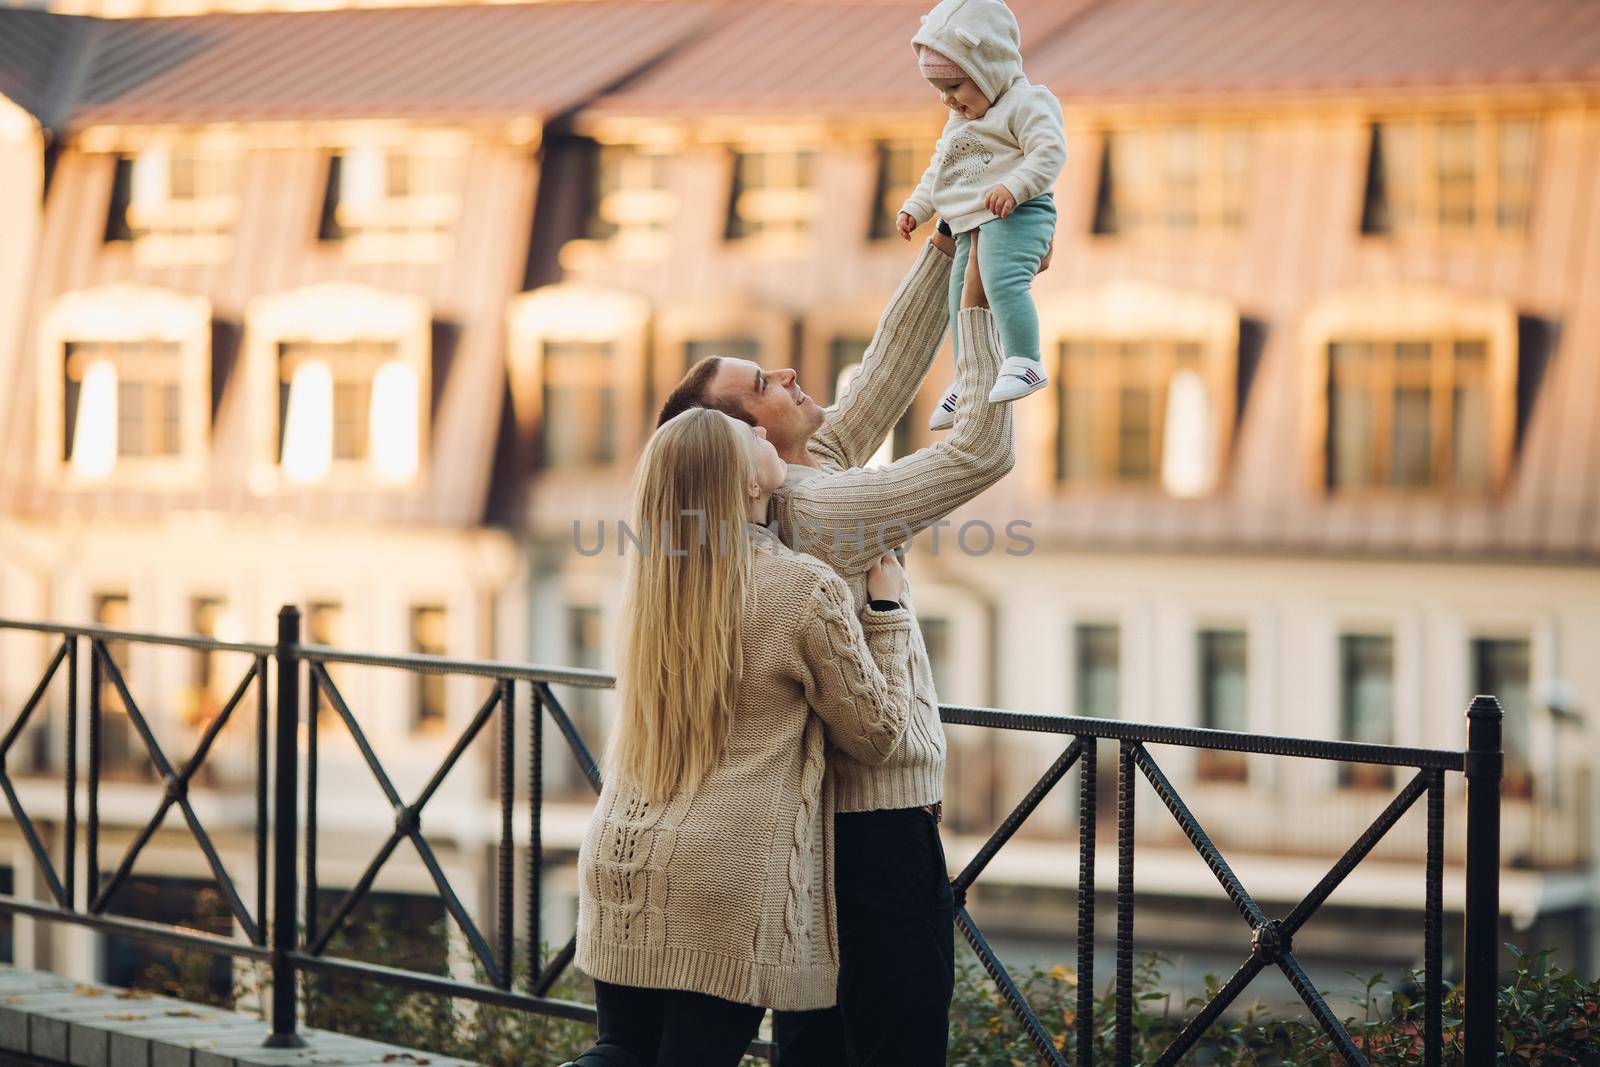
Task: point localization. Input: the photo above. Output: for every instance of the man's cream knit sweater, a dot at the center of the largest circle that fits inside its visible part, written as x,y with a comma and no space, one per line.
842,512
729,891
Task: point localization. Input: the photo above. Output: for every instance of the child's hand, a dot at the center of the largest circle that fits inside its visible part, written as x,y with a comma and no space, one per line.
1000,201
905,224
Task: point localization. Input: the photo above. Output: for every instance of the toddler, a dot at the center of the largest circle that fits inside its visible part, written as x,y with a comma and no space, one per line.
993,168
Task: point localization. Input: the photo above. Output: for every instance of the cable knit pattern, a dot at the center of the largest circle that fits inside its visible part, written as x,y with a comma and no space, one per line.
729,891
847,515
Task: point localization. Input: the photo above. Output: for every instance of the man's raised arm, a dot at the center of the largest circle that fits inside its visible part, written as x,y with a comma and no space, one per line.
849,517
893,366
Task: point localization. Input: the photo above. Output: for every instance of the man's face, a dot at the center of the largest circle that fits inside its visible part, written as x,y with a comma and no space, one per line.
773,398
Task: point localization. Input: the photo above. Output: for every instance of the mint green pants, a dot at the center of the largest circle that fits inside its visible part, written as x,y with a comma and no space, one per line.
1009,253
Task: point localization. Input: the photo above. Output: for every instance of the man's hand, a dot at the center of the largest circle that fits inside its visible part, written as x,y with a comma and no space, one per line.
905,224
1044,264
1000,201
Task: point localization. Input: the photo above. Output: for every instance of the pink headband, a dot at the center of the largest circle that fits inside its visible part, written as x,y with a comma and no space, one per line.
936,66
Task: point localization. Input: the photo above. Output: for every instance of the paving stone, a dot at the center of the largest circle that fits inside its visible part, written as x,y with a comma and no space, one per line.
47,1037
13,1028
129,1050
53,1018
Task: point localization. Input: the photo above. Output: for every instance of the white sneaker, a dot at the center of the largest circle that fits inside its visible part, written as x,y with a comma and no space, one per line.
1018,377
944,416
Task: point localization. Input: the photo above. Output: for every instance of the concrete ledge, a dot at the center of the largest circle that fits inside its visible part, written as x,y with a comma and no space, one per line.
49,1020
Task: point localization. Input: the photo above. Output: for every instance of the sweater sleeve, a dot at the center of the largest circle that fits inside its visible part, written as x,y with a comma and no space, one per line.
892,369
849,517
858,672
1037,126
919,205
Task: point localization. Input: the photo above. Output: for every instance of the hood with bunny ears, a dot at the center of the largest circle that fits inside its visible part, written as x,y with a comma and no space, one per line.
982,37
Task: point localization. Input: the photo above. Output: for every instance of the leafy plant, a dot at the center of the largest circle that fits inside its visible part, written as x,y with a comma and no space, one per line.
1548,1015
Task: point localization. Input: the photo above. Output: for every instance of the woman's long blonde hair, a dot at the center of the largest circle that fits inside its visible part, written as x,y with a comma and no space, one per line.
679,656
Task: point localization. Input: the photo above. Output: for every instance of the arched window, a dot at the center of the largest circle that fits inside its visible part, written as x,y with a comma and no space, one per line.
341,377
1410,390
125,385
1144,388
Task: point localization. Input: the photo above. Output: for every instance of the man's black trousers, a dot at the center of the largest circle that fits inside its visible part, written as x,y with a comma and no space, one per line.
896,950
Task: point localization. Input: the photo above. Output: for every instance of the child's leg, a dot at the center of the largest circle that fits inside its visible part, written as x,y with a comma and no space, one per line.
1009,256
957,274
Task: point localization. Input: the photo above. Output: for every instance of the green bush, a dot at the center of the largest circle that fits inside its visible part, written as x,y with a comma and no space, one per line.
1548,1016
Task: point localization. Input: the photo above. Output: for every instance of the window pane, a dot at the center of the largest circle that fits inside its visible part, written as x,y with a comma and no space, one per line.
1135,449
428,637
1502,667
1366,700
1077,462
579,418
1410,462
1517,147
1224,694
1350,433
1098,657
1470,444
1223,680
1458,173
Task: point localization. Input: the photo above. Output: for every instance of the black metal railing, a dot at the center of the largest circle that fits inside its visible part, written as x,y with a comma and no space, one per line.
291,948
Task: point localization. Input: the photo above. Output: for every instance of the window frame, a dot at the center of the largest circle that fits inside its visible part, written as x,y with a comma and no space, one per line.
334,313
123,314
572,312
387,230
214,218
807,198
1212,196
648,242
1132,311
1426,227
1402,314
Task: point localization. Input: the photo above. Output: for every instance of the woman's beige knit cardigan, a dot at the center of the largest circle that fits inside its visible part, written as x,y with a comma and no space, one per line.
729,891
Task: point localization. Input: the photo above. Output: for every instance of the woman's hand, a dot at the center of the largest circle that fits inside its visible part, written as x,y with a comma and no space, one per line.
886,580
1044,264
972,295
905,224
1000,201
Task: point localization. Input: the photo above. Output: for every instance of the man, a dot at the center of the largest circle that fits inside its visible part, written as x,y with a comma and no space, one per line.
892,890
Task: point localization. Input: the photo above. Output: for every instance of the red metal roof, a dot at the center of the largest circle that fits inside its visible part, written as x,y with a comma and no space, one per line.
462,61
782,56
1144,47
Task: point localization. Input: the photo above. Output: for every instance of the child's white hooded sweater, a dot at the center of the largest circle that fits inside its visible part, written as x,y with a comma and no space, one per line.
1018,143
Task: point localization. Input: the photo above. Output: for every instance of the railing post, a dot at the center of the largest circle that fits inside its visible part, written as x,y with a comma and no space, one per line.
285,829
1484,766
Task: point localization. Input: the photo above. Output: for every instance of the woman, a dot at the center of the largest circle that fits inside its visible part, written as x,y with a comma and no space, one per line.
706,876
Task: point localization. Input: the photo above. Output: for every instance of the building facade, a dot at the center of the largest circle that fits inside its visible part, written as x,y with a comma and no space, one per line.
300,323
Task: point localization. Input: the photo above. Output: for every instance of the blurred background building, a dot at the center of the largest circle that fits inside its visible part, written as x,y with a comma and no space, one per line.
370,310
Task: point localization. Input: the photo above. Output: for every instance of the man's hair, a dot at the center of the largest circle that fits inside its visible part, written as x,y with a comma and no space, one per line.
694,391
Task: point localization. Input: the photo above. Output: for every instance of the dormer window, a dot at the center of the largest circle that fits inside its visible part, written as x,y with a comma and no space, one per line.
398,202
1463,175
576,357
176,203
1173,180
346,402
900,167
347,370
1415,391
633,202
125,385
1144,387
774,198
